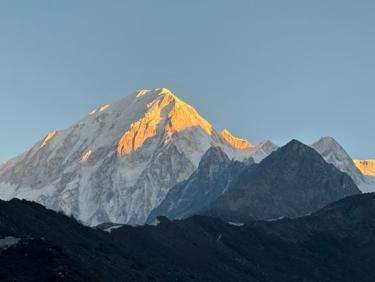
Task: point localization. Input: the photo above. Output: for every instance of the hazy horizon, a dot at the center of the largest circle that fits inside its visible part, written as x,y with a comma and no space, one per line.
276,71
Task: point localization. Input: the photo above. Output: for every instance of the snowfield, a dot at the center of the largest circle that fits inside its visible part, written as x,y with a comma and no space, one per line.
118,162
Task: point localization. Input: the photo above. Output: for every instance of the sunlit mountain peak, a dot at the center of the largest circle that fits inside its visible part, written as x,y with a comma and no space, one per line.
236,142
367,167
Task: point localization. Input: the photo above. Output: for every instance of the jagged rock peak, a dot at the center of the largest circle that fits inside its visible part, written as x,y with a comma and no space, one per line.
214,153
295,149
297,146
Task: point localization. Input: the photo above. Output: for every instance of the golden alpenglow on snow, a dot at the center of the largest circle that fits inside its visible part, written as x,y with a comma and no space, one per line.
137,148
235,141
367,167
85,157
167,114
48,138
135,184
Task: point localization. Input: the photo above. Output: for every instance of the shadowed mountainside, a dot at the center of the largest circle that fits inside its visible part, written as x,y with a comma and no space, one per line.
293,181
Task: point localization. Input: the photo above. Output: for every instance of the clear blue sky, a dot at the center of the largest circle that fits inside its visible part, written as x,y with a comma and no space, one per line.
264,69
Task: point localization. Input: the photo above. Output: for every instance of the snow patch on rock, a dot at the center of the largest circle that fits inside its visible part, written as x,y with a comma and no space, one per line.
8,242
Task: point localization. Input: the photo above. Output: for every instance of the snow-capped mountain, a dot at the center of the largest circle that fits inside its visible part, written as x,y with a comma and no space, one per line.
360,171
119,162
335,154
262,150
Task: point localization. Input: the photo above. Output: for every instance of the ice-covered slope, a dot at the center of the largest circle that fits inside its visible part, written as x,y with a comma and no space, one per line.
117,163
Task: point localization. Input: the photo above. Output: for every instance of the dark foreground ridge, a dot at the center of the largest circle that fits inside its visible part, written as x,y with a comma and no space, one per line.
333,244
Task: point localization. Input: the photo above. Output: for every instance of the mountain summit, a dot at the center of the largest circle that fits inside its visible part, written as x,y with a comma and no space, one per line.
292,181
334,153
117,163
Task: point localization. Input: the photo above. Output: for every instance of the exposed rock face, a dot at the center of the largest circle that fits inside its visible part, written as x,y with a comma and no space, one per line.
216,172
117,163
293,181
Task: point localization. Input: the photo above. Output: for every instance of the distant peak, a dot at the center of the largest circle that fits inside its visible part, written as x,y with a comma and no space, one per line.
335,154
295,150
266,144
164,91
236,142
367,167
297,147
215,155
159,91
327,143
294,143
327,139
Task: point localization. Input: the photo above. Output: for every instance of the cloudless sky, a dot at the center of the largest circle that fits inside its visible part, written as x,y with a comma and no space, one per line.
263,69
